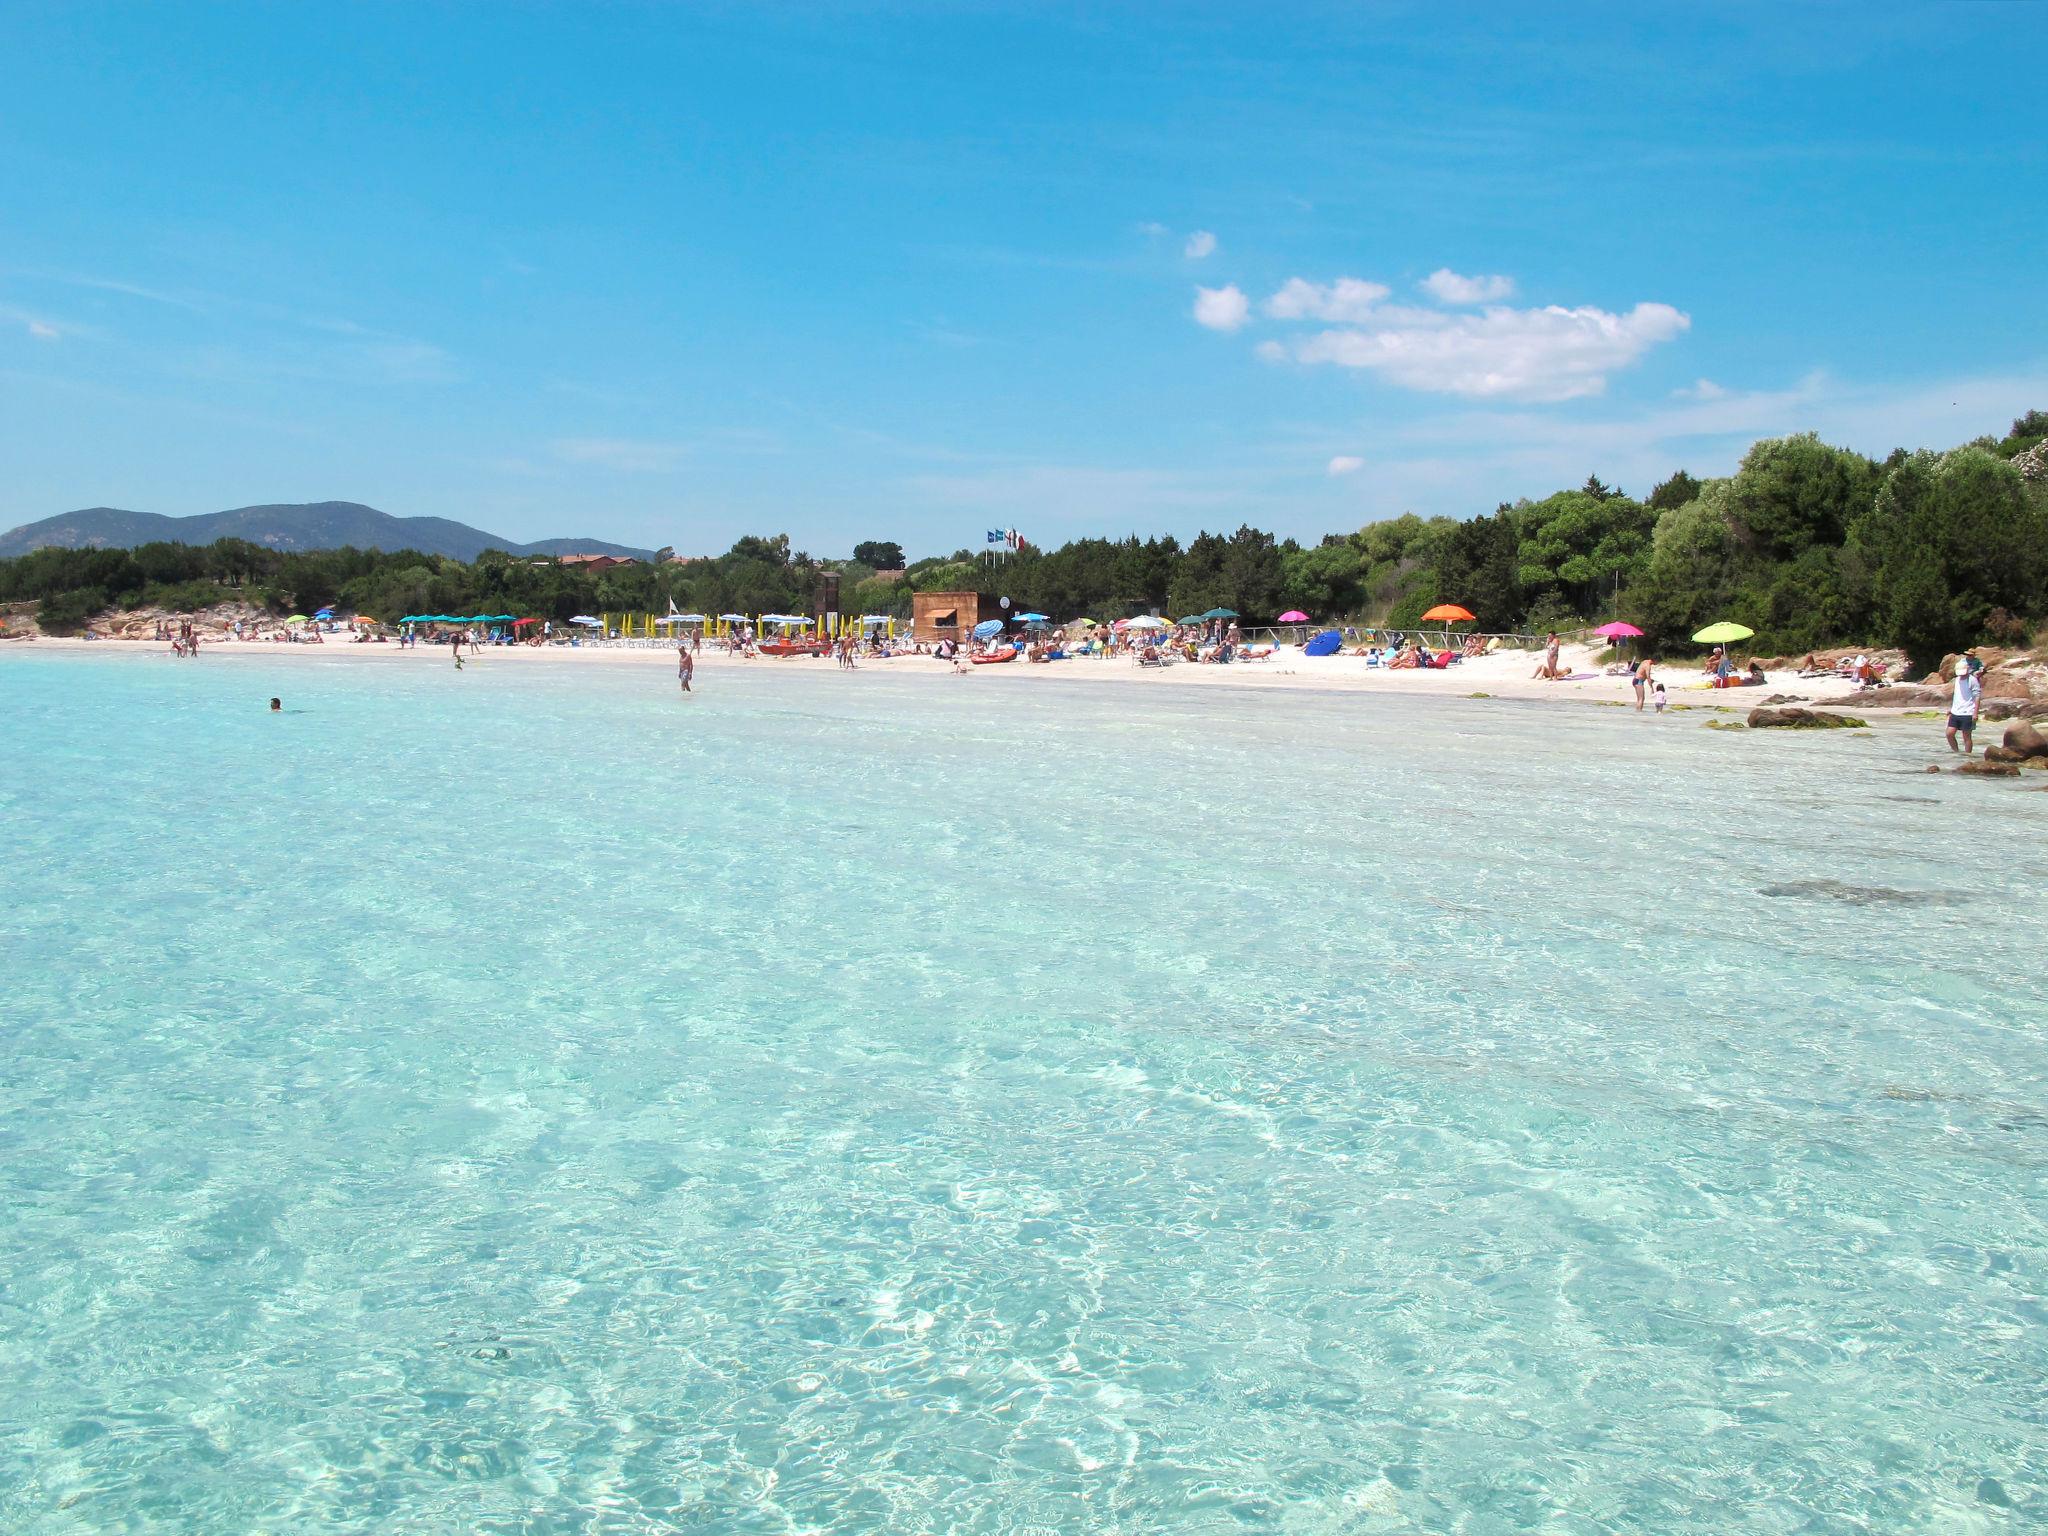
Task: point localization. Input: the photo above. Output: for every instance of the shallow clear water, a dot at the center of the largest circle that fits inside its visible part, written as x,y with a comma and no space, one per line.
525,1101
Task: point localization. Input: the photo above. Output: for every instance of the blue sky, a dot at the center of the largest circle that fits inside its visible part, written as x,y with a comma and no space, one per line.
668,274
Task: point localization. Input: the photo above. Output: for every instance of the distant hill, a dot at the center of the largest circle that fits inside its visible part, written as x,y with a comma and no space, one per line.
310,525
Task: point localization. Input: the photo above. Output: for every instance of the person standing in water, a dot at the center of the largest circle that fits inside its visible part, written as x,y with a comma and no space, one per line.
457,649
1645,674
1962,707
686,668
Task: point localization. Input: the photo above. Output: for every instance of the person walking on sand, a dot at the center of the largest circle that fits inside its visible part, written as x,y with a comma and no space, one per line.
1962,707
1645,674
686,669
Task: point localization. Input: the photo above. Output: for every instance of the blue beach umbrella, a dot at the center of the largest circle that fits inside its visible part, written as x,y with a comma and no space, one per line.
1324,644
988,629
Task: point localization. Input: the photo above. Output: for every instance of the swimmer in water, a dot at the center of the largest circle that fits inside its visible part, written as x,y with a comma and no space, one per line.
277,706
686,668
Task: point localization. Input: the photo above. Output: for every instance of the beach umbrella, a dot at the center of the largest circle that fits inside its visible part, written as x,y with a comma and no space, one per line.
1033,618
1086,623
1325,644
670,618
1219,613
1618,631
323,613
297,618
690,618
584,618
520,623
1144,621
1447,613
1723,632
1292,616
732,618
1193,618
988,629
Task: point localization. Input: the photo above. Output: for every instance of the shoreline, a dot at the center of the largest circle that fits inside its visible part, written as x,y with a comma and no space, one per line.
1502,676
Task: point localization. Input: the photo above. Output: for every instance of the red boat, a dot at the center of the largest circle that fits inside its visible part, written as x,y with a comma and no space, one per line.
1007,653
795,647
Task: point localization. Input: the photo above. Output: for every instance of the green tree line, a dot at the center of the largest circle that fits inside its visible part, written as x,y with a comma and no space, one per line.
1806,543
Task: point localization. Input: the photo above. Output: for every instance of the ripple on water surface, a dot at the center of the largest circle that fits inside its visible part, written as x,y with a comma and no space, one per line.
527,1101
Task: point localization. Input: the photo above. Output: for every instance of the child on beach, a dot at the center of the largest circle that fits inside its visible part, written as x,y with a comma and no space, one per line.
1661,701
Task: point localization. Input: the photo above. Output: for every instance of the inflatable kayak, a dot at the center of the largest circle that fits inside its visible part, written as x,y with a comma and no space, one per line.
1007,653
794,648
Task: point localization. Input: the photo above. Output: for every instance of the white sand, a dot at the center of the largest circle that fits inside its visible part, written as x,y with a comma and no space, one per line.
1503,675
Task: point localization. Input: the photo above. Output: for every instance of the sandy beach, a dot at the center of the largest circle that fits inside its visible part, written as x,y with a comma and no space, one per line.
1504,675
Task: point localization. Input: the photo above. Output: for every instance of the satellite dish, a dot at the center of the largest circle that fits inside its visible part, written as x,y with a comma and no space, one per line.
1002,602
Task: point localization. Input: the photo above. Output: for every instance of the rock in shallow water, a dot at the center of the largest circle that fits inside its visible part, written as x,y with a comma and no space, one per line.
1862,895
2026,739
1803,720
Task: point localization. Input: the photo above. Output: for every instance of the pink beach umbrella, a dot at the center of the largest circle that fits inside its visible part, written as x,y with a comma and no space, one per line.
1292,616
1617,630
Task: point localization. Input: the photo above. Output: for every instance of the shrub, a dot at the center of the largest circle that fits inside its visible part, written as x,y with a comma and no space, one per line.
62,613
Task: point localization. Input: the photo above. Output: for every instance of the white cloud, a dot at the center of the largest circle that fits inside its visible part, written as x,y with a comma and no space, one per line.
1222,309
34,324
626,454
1271,352
1201,243
1344,302
1153,228
1447,287
1704,389
1345,464
1546,354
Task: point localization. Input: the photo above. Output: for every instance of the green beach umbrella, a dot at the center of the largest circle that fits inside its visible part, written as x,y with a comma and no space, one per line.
297,618
1723,632
1219,613
1193,618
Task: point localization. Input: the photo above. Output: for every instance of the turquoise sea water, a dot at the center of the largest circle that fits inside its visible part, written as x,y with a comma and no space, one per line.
525,1101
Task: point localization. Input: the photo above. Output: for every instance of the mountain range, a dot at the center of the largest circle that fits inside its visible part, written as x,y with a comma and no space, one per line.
290,526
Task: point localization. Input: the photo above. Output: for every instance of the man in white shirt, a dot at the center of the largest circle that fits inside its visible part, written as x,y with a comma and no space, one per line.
1962,708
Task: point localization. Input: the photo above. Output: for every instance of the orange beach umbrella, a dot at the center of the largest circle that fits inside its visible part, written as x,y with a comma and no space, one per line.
1446,613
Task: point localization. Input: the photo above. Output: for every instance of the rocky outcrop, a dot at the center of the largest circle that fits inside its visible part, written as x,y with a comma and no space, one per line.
1903,696
1978,768
1802,720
